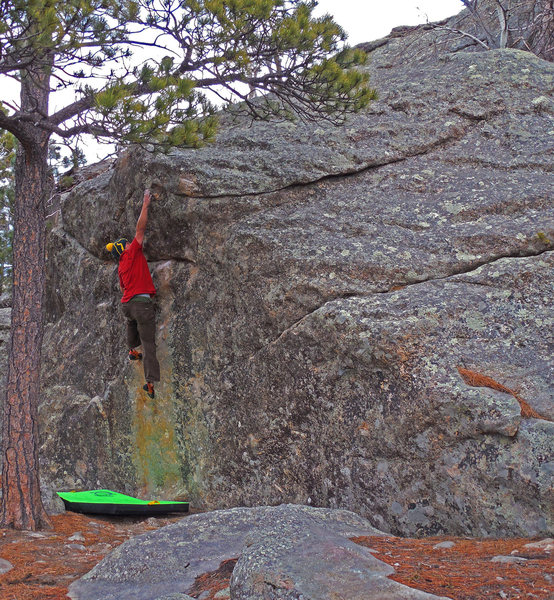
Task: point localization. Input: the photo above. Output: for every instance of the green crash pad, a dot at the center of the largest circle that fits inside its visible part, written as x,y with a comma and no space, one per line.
106,502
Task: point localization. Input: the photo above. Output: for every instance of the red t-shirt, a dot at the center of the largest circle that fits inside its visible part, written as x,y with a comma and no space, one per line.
134,274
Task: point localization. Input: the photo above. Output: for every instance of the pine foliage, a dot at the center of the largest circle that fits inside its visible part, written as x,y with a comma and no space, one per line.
143,71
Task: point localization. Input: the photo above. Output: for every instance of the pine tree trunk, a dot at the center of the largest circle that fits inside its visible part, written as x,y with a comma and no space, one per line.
21,502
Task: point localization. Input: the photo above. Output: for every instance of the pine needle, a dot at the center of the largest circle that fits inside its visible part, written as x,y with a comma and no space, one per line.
479,380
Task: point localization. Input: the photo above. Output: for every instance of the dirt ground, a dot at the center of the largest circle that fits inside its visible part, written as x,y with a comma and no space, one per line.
46,562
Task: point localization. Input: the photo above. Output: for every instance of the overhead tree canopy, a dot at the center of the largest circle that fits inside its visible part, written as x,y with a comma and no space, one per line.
138,71
103,50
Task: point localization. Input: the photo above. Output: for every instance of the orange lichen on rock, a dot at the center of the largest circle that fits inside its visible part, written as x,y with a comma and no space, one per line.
478,380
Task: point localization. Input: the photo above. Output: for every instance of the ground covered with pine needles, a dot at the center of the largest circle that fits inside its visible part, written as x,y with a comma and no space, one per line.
46,562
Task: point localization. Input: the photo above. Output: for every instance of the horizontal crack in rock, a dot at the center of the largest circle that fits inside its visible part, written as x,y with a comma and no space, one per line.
475,266
346,295
376,164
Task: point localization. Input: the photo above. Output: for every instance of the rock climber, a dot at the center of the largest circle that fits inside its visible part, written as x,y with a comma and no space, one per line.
137,305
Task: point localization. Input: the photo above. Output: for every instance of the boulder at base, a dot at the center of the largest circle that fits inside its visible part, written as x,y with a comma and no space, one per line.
287,552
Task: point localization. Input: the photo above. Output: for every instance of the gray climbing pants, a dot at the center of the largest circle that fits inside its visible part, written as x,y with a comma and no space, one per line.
141,330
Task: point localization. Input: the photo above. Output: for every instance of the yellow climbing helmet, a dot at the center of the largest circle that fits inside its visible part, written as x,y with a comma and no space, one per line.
117,248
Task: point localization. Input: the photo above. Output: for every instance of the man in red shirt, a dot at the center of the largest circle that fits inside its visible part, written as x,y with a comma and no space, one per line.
137,287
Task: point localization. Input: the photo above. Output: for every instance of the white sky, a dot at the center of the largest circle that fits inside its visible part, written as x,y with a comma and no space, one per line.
367,20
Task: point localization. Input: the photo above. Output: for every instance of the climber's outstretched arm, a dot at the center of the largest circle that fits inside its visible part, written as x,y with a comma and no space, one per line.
143,218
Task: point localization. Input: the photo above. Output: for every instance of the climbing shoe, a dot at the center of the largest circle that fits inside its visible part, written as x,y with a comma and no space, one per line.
149,389
134,355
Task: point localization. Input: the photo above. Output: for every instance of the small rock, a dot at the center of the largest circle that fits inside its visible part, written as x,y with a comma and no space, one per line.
5,566
79,547
547,545
508,559
100,547
35,534
77,537
443,545
223,594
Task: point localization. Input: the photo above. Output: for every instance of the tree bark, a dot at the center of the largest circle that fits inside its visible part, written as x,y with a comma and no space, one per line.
21,502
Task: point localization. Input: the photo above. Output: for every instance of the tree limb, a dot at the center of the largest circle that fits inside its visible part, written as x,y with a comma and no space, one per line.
462,33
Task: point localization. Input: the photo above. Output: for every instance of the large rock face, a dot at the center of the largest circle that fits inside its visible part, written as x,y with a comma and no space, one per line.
319,288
